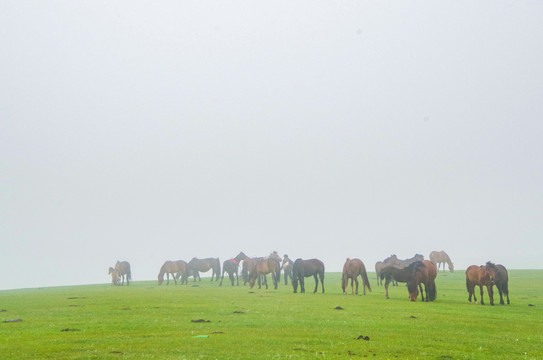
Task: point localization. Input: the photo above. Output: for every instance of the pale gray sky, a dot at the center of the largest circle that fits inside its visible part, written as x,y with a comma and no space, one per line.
148,131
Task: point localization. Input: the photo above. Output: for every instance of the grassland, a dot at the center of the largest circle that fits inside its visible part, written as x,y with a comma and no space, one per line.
147,321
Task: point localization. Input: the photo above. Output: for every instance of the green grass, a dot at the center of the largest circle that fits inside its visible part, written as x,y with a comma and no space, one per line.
145,320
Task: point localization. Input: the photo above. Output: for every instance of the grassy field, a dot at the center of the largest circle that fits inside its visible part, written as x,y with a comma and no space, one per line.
145,320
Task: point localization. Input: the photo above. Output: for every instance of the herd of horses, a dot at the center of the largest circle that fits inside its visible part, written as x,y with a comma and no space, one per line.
415,272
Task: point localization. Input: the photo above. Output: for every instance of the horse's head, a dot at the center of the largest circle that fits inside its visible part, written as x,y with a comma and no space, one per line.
413,290
491,269
451,267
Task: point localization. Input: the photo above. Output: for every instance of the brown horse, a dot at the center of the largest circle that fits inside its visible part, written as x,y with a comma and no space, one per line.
115,280
175,268
427,275
247,266
123,269
441,257
479,276
305,268
195,266
231,267
270,265
351,270
501,280
407,275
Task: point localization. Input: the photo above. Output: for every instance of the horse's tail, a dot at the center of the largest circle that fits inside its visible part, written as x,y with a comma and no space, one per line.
366,280
432,292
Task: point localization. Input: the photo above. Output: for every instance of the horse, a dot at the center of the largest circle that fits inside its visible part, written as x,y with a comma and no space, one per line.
114,276
195,266
407,275
351,270
269,265
247,266
441,257
123,269
479,276
427,275
501,280
286,266
175,268
394,261
305,268
231,267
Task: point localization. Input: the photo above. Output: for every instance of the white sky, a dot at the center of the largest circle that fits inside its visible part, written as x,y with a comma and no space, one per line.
148,131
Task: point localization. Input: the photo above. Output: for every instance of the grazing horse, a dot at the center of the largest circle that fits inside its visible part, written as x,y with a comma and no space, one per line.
441,257
407,275
195,266
427,275
175,268
114,276
351,270
501,280
479,276
286,266
231,266
305,268
270,265
123,269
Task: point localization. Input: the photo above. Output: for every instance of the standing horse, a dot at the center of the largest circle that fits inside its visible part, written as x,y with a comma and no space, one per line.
231,266
305,268
175,268
123,269
286,266
195,266
407,275
427,275
114,276
501,280
441,257
479,276
270,265
351,270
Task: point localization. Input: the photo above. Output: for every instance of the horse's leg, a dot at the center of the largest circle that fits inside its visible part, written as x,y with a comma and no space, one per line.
321,275
490,294
421,292
482,300
386,288
302,284
237,279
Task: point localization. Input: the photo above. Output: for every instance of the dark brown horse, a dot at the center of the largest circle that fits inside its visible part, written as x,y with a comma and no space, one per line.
286,266
306,268
394,261
406,275
501,280
269,265
195,266
351,270
231,267
427,275
123,270
479,276
175,268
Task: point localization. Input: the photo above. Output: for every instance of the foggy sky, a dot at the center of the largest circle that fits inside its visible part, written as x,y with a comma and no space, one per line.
141,131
